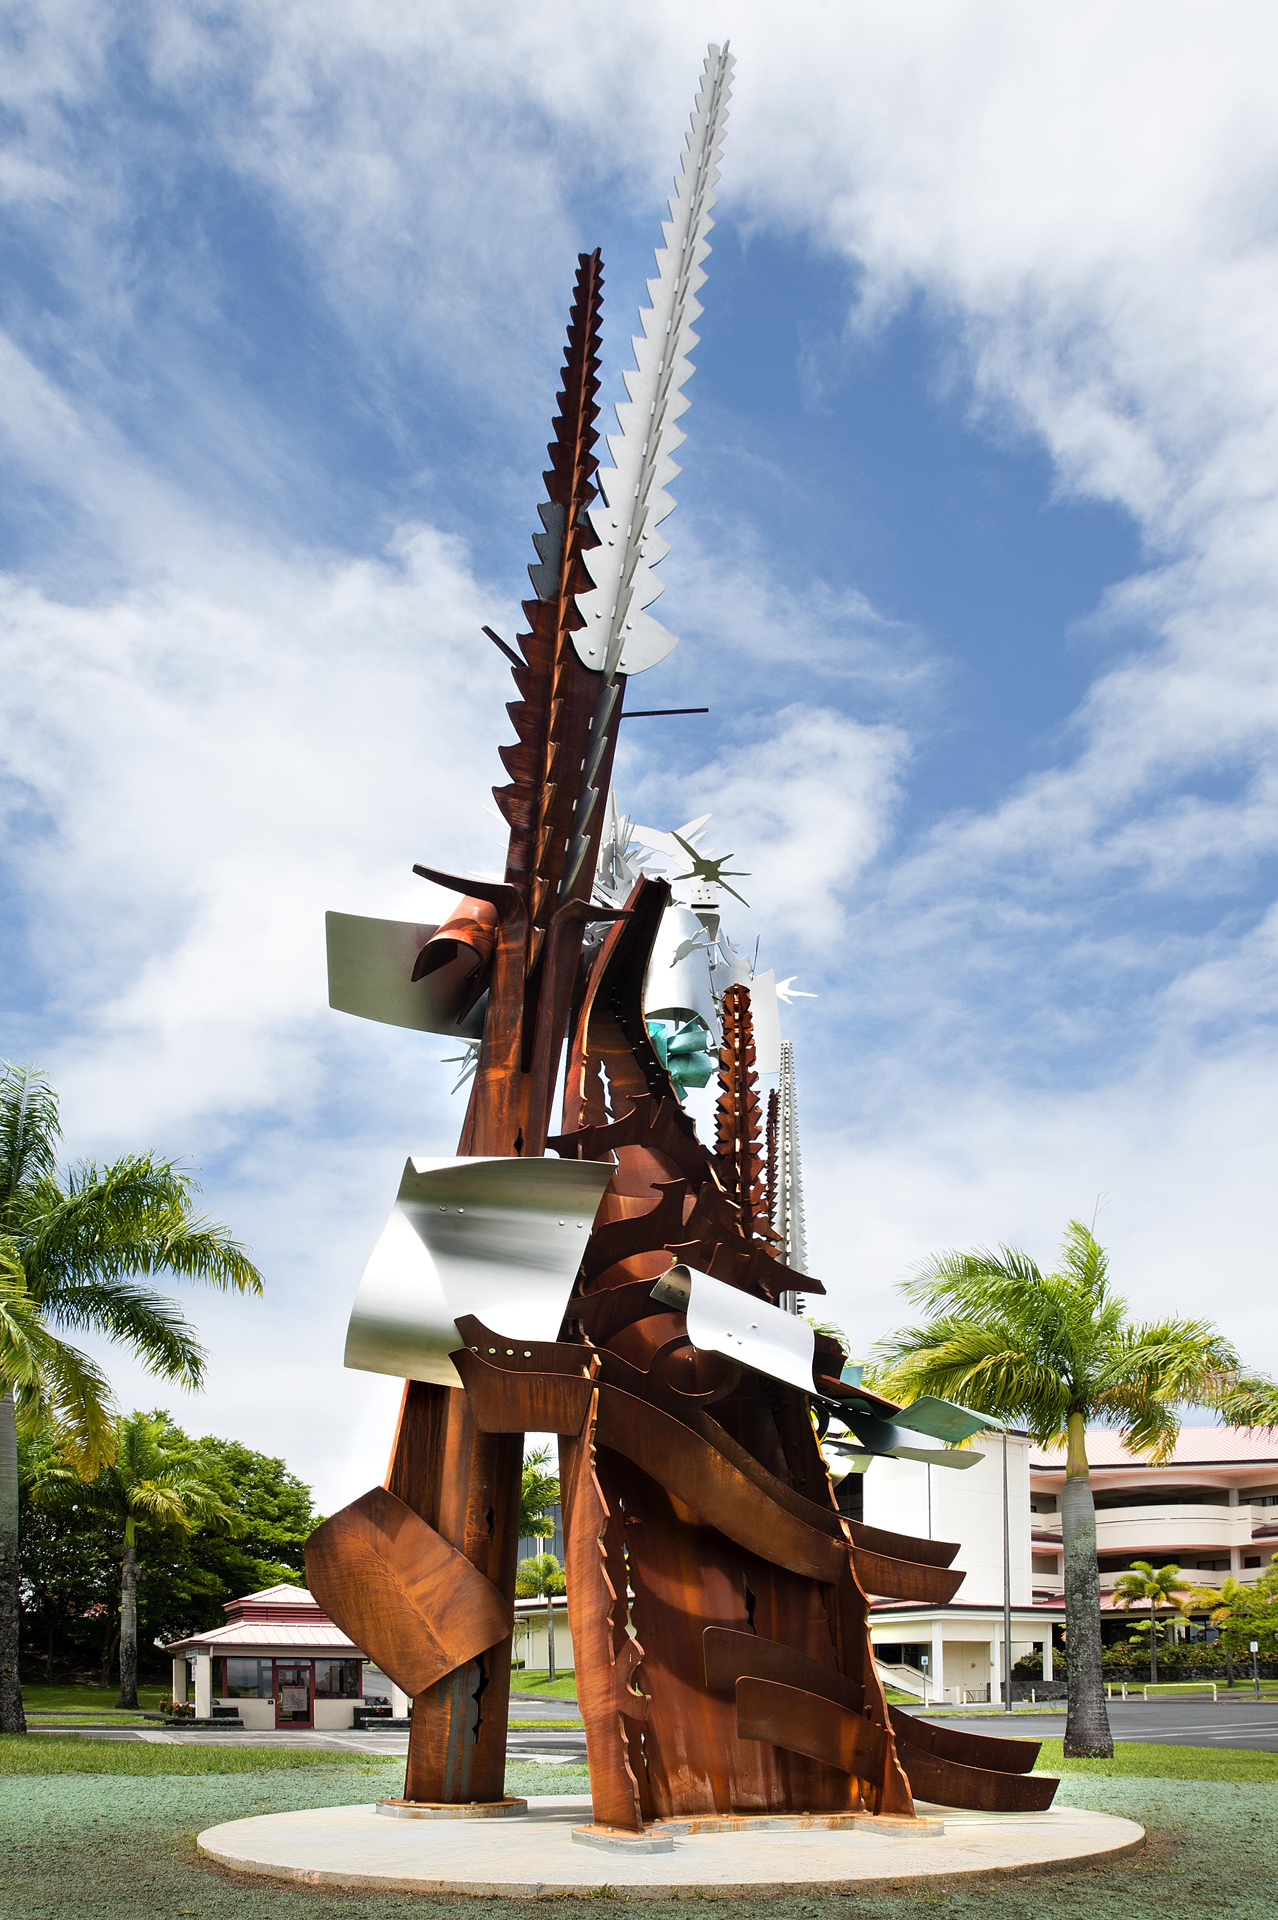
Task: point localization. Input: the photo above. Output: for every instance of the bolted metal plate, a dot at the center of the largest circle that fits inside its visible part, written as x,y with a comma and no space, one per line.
498,1238
761,1336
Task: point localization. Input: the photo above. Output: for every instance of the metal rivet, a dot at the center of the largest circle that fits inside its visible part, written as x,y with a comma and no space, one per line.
527,1353
492,1349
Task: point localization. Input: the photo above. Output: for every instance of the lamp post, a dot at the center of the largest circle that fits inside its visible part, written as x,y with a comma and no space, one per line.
1007,1589
1255,1668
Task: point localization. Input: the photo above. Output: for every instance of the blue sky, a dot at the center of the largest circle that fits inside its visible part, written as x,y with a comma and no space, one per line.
973,562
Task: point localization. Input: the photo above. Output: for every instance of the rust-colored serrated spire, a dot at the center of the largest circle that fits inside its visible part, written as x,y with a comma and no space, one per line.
552,715
737,1118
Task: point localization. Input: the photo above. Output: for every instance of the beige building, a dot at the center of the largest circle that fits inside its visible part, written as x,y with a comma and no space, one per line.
955,1652
1212,1510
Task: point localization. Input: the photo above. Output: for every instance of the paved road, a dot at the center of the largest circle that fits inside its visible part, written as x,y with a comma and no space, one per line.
1193,1723
1188,1723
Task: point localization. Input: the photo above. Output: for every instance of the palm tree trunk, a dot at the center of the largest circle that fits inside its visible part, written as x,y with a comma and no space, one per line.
550,1635
129,1621
1153,1645
1087,1734
12,1718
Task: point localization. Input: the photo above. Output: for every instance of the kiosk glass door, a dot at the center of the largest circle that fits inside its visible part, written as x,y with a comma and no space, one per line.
294,1694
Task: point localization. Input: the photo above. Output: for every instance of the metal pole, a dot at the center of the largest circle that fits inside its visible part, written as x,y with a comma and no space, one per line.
1007,1590
1255,1668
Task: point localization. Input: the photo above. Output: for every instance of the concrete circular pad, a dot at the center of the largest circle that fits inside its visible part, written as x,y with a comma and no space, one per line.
532,1855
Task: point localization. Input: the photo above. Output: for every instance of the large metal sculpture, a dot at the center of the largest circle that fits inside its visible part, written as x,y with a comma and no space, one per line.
621,1283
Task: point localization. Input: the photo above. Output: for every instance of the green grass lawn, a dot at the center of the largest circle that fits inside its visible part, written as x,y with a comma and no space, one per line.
46,1753
526,1680
42,1699
1151,1760
72,1850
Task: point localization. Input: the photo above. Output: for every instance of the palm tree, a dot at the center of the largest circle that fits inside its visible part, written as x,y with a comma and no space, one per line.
1056,1352
1159,1586
75,1250
156,1478
1224,1604
542,1578
538,1492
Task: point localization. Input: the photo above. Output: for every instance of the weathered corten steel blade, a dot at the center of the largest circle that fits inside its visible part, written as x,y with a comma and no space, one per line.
504,1402
892,1579
525,1356
731,1656
703,1480
925,1751
952,1784
983,1750
406,1598
811,1724
902,1546
605,1655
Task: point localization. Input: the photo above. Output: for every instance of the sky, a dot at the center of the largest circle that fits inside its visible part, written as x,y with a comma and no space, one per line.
975,564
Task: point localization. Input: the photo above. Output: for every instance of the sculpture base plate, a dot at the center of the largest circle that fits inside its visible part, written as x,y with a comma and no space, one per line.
447,1810
532,1855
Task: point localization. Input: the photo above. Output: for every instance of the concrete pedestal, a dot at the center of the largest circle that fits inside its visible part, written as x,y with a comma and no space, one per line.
532,1854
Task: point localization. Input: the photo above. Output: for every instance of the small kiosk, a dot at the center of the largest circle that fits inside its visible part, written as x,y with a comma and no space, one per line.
280,1662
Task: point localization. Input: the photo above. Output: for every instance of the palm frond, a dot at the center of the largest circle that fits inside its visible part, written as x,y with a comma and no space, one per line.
29,1130
134,1216
1248,1400
148,1323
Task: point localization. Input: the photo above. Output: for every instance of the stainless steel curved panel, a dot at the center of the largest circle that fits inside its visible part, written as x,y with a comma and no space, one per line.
761,1336
370,974
499,1238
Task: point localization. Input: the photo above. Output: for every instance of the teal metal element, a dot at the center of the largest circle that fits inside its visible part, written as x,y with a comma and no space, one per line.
686,1051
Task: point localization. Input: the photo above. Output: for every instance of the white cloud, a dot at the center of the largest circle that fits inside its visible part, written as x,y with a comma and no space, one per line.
211,736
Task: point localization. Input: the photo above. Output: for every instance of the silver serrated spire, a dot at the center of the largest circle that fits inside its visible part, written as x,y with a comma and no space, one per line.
788,1205
619,637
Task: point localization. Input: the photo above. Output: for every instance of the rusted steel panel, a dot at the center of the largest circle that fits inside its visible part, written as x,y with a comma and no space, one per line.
905,1579
503,1402
717,1492
902,1546
605,1656
525,1356
406,1598
809,1723
731,1656
982,1750
952,1784
683,1575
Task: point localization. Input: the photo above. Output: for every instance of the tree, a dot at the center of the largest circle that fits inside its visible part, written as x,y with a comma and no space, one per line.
71,1555
1057,1352
538,1492
541,1578
75,1248
1224,1604
1158,1586
156,1477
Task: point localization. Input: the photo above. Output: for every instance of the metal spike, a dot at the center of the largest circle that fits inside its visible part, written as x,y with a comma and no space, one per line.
618,637
788,1215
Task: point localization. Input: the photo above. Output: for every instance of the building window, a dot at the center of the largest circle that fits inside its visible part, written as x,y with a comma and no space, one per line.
235,1678
1043,1563
338,1679
1043,1503
1251,1559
